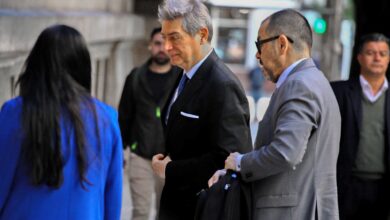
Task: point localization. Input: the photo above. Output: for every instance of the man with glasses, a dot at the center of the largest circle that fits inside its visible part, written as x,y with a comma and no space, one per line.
364,160
293,165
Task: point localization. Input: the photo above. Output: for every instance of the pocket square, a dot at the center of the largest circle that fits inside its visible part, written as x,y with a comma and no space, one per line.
188,115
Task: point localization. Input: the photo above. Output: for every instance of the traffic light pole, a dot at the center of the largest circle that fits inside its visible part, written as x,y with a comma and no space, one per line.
331,57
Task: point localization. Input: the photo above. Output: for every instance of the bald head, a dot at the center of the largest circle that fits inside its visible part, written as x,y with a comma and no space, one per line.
292,24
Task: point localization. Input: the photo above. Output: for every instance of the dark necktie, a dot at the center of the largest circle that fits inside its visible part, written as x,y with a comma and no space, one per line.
182,84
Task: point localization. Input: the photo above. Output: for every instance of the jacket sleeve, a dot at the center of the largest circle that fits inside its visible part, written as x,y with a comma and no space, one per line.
126,109
298,116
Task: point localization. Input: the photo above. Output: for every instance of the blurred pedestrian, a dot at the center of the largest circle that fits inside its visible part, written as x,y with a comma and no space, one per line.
60,149
207,116
260,87
293,166
364,160
145,93
256,80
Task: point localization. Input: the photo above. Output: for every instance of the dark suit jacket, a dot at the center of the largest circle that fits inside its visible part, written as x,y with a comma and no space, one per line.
349,96
199,146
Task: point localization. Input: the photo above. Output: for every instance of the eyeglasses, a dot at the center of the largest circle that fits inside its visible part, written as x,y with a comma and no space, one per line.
259,43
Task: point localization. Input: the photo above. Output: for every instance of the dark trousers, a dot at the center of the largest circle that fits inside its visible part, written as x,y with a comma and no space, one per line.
176,206
365,199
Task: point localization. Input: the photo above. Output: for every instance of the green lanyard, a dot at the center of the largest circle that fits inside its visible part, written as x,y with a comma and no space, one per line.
134,146
158,112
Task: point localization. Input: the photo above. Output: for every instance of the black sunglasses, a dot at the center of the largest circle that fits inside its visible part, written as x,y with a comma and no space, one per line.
260,43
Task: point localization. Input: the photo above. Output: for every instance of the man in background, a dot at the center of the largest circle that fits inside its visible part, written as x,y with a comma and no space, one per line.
364,160
144,95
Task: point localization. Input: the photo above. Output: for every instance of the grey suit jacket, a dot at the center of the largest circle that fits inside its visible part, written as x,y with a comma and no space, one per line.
293,166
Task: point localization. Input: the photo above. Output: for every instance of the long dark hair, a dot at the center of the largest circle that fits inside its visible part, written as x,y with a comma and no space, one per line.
55,85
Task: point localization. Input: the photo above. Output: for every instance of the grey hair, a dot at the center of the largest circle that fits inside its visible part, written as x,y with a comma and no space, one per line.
292,24
372,37
194,13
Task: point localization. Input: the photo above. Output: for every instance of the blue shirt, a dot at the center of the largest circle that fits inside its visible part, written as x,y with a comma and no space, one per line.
19,199
287,72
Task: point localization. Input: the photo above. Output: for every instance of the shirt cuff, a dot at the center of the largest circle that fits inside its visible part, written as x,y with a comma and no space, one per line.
238,162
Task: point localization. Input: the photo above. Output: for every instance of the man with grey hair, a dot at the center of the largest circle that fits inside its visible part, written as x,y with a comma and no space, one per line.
293,166
207,117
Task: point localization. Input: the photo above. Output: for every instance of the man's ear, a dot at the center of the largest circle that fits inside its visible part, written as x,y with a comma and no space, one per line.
284,44
204,35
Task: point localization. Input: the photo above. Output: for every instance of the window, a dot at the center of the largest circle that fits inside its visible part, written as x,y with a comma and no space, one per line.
231,33
231,45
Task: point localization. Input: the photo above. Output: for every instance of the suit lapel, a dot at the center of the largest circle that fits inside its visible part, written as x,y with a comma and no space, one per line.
355,96
171,94
184,97
172,83
193,85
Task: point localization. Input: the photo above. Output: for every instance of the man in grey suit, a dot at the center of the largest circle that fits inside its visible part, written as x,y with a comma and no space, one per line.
293,166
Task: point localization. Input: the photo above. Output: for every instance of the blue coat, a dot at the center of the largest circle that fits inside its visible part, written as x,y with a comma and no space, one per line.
19,199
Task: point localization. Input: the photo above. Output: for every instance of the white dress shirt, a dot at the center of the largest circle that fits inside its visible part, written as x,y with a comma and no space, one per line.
367,89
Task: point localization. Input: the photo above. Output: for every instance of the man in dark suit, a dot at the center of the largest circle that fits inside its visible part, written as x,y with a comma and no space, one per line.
206,120
364,160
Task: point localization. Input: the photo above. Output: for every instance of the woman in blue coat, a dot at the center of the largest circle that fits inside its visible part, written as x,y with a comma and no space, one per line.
60,149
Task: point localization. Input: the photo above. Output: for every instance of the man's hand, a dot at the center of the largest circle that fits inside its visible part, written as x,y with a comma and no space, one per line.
231,161
159,163
216,177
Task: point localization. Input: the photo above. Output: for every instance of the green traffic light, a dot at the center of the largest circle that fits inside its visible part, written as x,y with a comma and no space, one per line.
319,26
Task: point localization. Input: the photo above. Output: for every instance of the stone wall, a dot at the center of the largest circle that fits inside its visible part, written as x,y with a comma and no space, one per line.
116,36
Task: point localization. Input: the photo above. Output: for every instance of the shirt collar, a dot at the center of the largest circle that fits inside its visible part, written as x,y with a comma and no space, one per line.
195,68
287,72
367,89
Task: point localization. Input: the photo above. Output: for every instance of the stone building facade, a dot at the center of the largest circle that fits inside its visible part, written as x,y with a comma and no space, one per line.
116,31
